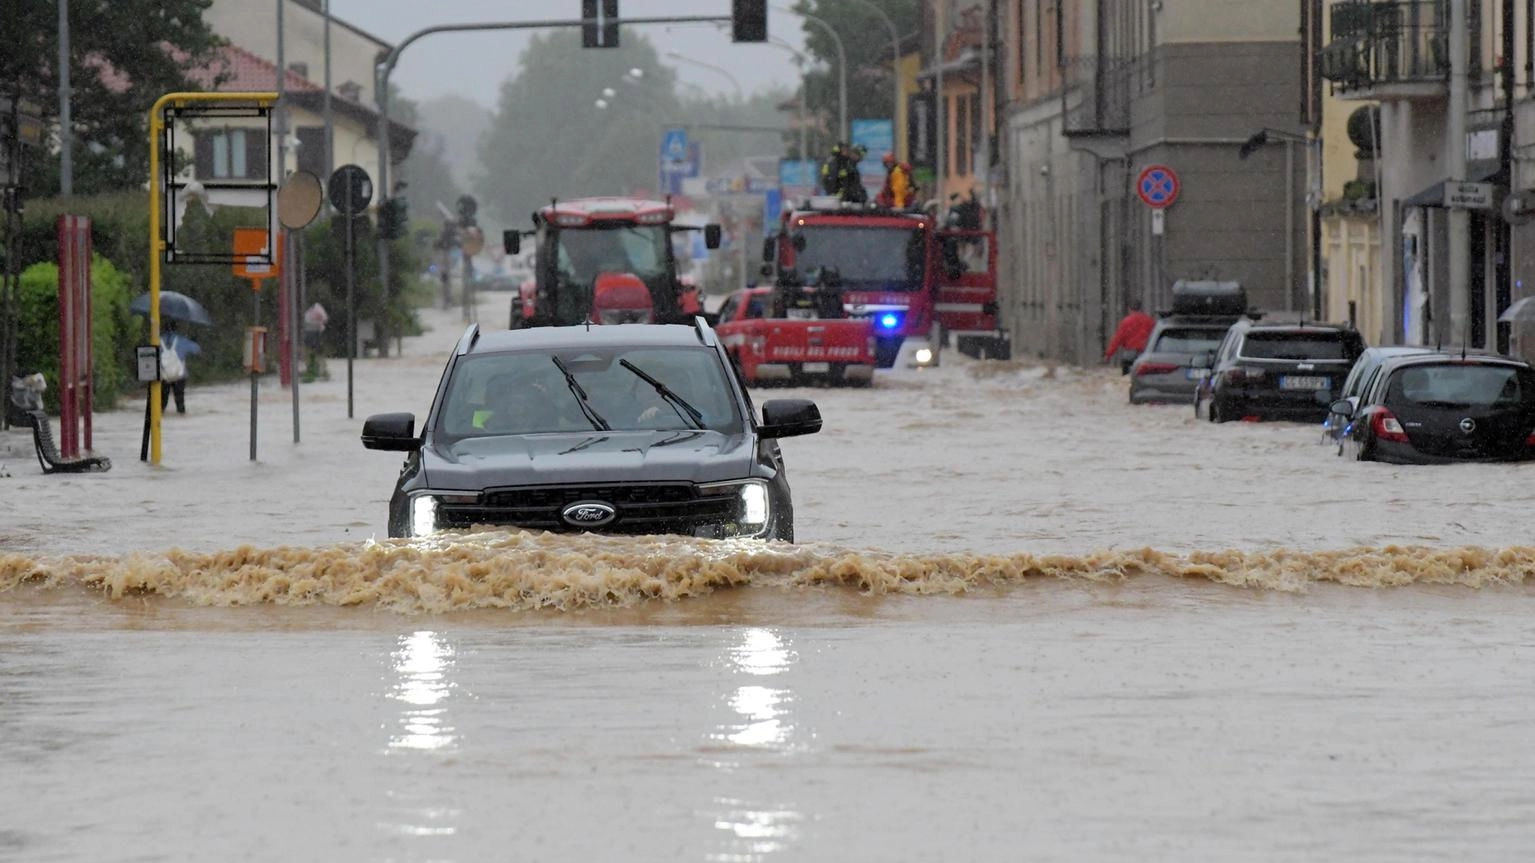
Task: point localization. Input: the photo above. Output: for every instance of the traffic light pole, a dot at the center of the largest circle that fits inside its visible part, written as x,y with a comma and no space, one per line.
385,68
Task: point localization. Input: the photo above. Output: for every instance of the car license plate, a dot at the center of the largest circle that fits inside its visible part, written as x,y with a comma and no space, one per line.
1304,382
1197,374
816,368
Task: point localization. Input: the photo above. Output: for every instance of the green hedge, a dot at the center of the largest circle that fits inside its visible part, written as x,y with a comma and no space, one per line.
37,328
120,234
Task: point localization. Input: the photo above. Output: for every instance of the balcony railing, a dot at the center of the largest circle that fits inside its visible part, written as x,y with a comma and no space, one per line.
1095,96
1380,44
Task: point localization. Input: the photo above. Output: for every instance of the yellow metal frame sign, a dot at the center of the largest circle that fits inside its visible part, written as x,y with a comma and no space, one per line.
263,100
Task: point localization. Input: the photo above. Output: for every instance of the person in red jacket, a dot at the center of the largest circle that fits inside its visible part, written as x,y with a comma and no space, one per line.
1130,338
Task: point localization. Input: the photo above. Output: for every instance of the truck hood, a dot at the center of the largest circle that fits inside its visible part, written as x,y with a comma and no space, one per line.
582,457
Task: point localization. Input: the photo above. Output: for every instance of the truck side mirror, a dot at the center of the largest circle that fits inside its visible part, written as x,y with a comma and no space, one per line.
512,241
769,250
711,236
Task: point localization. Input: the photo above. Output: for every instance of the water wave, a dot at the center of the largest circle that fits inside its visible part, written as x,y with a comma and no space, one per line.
491,569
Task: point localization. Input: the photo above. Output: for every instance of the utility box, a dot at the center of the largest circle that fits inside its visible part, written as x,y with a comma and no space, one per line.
255,350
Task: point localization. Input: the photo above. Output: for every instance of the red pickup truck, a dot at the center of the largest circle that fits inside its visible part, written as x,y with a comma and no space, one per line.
796,346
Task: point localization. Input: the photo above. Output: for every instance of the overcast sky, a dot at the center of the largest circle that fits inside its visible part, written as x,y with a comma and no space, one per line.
473,65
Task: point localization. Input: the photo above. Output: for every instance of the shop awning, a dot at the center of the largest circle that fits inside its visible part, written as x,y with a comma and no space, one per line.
1433,195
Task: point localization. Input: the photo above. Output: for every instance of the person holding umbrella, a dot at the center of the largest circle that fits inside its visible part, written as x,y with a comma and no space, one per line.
175,349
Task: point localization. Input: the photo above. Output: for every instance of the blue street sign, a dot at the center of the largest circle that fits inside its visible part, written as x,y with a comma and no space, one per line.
674,171
674,145
772,206
877,137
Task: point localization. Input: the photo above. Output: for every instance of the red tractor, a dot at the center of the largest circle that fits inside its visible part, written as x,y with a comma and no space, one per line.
603,261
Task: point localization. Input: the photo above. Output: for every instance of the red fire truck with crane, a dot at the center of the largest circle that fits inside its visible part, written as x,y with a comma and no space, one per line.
603,261
918,281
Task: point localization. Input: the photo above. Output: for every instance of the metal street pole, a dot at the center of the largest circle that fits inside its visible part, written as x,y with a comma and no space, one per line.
386,66
66,131
285,281
1455,167
330,120
940,106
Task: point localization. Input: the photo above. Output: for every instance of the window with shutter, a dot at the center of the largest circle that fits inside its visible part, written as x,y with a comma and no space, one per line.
202,155
256,155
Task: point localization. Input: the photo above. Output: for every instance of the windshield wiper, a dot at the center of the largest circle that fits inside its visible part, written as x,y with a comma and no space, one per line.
679,404
586,409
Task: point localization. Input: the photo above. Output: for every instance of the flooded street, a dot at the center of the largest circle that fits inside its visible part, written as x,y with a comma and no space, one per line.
1025,620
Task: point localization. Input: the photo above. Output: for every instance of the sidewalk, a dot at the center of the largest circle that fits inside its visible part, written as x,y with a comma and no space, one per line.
207,494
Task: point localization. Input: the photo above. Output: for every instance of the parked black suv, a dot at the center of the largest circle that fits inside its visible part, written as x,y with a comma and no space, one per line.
1272,370
612,429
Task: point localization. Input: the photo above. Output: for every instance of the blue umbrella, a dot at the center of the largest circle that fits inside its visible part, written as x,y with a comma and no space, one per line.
174,306
182,345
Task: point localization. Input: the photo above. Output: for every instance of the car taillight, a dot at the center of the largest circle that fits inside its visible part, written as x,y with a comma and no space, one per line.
1530,441
1155,369
1386,428
1244,374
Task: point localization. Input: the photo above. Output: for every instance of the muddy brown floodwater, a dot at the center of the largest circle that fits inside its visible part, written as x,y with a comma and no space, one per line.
1025,621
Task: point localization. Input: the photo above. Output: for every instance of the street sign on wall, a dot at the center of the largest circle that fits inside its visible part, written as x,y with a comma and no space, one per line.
1157,186
1467,196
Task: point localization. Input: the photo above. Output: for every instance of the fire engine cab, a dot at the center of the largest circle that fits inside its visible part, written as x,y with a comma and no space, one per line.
919,281
603,261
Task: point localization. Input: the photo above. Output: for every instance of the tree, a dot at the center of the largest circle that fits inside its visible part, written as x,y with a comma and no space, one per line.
124,54
869,64
548,138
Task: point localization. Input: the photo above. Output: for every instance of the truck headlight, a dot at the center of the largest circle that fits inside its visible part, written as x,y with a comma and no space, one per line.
923,356
753,510
423,515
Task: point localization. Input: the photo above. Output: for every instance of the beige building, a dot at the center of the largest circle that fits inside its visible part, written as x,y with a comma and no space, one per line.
1101,91
251,29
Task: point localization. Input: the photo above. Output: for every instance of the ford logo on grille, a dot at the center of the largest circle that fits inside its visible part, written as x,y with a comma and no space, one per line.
588,513
1468,425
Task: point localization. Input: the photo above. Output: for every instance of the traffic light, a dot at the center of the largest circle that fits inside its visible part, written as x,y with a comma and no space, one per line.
600,27
748,20
393,219
467,207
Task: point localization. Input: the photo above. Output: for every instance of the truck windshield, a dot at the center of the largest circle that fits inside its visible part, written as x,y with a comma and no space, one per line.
877,259
586,253
526,393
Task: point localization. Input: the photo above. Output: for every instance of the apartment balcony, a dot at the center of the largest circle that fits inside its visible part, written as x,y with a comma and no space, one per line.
1095,97
1388,50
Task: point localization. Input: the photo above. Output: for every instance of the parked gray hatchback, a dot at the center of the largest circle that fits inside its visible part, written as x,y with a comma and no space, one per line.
1202,312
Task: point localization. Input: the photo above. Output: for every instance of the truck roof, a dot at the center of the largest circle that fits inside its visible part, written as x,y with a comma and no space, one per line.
825,210
577,212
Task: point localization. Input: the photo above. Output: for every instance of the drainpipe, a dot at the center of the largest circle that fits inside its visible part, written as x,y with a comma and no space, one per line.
1455,164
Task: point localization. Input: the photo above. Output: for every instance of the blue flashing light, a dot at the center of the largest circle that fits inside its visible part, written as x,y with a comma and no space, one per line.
889,321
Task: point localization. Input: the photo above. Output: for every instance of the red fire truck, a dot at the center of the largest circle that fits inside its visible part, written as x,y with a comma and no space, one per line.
604,261
918,281
774,338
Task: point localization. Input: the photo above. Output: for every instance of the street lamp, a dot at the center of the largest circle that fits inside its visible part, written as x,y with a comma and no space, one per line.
799,56
1257,141
895,57
711,67
841,66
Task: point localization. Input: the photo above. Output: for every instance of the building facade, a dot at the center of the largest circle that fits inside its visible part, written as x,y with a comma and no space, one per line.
1099,92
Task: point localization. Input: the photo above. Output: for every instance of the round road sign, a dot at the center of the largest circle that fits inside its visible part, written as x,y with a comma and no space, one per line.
1157,186
350,189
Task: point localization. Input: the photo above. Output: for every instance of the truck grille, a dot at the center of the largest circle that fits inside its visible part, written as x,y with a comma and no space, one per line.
642,508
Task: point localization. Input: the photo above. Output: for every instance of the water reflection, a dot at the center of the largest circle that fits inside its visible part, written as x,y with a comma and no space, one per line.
763,725
421,663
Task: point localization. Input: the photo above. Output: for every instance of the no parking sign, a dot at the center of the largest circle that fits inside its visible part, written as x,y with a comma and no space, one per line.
1157,186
